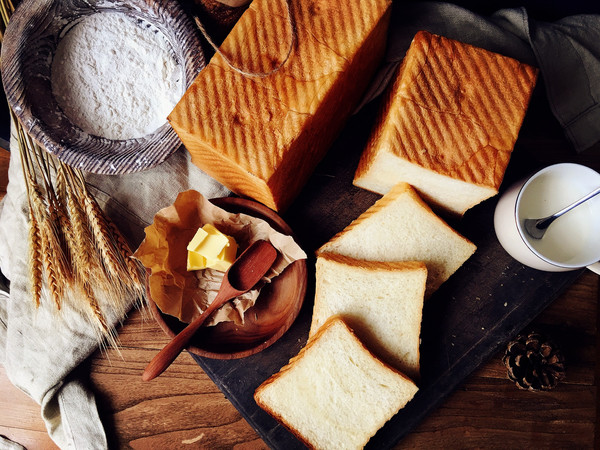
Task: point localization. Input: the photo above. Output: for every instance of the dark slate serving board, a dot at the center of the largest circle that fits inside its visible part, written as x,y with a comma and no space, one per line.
483,305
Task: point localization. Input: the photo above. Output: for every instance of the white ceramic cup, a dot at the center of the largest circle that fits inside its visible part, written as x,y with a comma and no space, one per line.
573,240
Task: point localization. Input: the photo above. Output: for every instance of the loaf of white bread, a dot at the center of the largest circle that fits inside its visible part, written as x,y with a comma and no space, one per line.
400,226
448,123
262,136
335,394
381,301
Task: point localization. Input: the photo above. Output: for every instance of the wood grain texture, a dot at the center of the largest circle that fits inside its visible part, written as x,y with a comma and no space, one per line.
20,418
181,407
184,409
488,411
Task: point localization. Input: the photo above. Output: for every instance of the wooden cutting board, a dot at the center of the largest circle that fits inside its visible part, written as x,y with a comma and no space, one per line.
483,305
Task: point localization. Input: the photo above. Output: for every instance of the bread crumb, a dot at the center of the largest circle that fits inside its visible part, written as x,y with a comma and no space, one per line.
193,440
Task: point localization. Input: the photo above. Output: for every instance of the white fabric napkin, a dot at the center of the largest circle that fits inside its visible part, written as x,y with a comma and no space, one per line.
41,357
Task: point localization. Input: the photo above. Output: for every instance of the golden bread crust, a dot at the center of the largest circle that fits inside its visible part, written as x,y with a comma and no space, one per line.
373,265
331,322
454,109
396,191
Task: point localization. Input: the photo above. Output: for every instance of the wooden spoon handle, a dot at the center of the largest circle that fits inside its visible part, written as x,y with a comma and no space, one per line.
167,355
243,274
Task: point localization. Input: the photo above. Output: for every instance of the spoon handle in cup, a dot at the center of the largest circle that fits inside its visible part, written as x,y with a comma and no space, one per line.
577,203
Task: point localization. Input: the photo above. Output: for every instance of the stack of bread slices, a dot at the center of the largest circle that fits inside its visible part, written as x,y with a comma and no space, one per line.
443,138
361,363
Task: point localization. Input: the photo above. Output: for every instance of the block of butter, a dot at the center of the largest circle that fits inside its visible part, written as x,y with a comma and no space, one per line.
209,248
262,136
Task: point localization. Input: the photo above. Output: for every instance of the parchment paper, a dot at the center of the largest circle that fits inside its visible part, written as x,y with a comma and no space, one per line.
186,294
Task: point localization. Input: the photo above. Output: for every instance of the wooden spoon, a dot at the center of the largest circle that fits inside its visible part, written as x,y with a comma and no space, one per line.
244,273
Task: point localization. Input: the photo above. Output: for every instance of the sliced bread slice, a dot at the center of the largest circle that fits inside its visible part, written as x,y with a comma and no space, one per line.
402,227
381,301
335,394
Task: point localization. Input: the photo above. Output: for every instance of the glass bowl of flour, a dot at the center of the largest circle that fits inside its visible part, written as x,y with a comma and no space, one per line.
94,81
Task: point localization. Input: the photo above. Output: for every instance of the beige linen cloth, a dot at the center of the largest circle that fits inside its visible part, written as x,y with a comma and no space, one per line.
41,353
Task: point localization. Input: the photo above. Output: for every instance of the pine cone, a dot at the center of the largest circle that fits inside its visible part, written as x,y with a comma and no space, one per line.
534,362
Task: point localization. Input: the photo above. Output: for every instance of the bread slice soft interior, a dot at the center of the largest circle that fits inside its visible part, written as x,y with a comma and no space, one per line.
448,124
381,301
445,193
400,226
335,394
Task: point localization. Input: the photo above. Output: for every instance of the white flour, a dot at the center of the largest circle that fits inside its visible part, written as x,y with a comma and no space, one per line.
114,78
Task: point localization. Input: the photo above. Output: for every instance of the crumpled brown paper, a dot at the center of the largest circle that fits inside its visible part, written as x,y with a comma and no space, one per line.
186,294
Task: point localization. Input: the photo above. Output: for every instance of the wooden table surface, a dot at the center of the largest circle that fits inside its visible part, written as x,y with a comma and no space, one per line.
184,409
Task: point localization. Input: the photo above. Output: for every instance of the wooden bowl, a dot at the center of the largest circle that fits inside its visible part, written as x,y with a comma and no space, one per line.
28,48
275,310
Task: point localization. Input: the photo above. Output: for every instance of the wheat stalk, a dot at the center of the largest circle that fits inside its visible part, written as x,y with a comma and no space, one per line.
6,10
74,249
35,260
59,226
112,248
134,268
82,241
86,265
48,243
95,310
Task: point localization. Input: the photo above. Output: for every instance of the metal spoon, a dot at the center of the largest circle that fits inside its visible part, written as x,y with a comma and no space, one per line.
536,228
244,273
